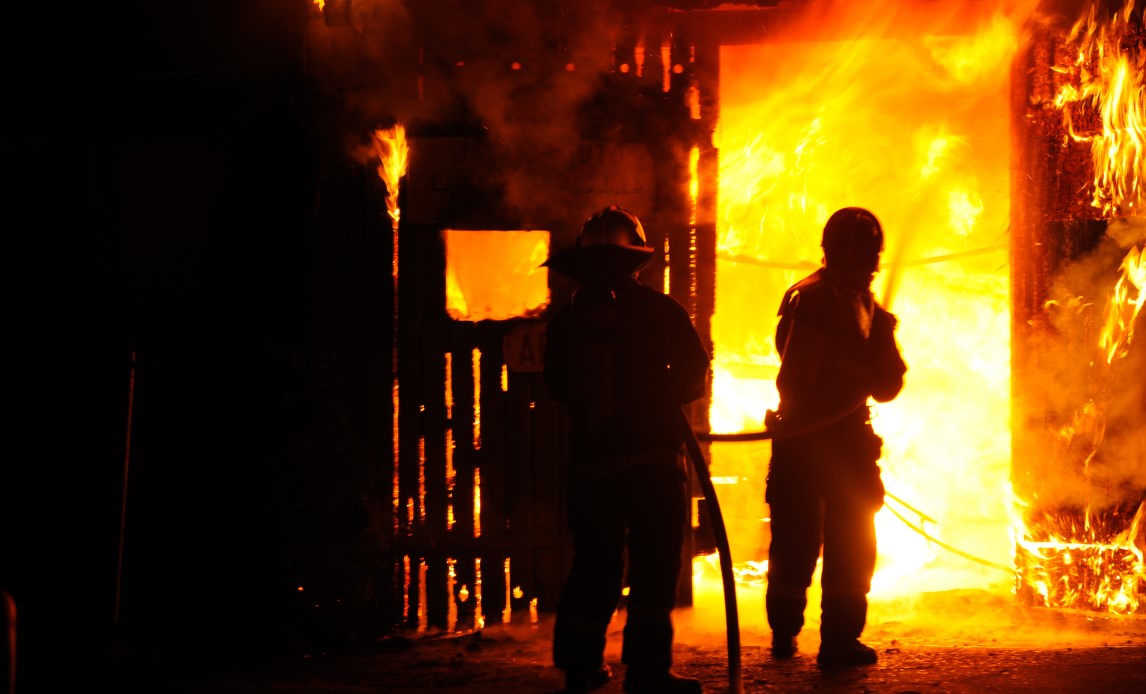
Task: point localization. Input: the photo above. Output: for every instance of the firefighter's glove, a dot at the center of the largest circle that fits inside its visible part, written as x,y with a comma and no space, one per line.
773,424
869,447
887,367
872,489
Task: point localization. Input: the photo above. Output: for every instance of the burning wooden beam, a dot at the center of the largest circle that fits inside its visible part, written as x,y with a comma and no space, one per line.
1079,122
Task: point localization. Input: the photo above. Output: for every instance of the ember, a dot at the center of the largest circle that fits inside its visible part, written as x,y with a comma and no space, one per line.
1083,562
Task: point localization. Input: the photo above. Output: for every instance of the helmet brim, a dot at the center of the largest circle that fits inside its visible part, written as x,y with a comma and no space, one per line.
599,263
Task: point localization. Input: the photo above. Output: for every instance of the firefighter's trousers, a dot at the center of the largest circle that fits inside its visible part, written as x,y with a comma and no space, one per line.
639,512
821,495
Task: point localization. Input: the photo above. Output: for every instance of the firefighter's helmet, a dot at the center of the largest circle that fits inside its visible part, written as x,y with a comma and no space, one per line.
615,227
852,241
610,246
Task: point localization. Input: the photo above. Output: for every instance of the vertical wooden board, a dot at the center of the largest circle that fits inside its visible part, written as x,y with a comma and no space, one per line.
515,443
413,591
395,586
464,594
461,537
437,599
409,453
462,343
673,211
376,373
381,467
432,433
491,456
493,585
1051,225
705,301
430,390
465,590
519,457
706,68
404,394
402,390
491,461
706,74
1029,256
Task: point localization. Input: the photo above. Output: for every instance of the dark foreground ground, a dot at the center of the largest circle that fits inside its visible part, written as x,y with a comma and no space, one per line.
960,641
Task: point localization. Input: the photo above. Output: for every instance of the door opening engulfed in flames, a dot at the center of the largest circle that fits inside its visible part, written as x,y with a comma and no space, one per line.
1003,151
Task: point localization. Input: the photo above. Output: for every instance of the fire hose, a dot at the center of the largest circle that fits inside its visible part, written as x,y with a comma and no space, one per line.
720,533
923,517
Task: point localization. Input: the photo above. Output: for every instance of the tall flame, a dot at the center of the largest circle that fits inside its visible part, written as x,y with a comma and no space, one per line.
393,154
1109,76
1124,307
912,125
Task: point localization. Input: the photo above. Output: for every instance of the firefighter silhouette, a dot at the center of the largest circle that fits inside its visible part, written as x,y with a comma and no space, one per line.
621,358
837,348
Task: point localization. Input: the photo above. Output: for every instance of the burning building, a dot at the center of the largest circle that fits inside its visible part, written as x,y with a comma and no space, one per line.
1001,144
454,144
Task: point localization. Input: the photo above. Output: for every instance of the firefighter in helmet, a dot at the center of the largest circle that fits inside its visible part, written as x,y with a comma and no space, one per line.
621,358
837,349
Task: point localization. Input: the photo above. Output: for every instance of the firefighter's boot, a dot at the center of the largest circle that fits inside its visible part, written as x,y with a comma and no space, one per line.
783,646
642,681
845,654
578,681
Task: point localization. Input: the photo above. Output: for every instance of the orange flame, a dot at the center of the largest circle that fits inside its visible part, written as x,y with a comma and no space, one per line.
1111,80
1069,557
1124,307
390,144
1078,565
913,125
393,154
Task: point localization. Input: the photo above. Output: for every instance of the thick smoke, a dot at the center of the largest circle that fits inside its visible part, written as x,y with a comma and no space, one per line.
1099,400
510,74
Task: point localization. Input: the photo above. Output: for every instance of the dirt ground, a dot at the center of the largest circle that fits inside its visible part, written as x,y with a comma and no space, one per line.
954,641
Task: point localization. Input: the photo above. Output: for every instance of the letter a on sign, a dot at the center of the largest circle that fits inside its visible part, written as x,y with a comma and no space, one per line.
523,347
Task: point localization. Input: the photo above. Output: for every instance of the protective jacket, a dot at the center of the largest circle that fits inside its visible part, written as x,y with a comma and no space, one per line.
843,352
622,360
824,486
